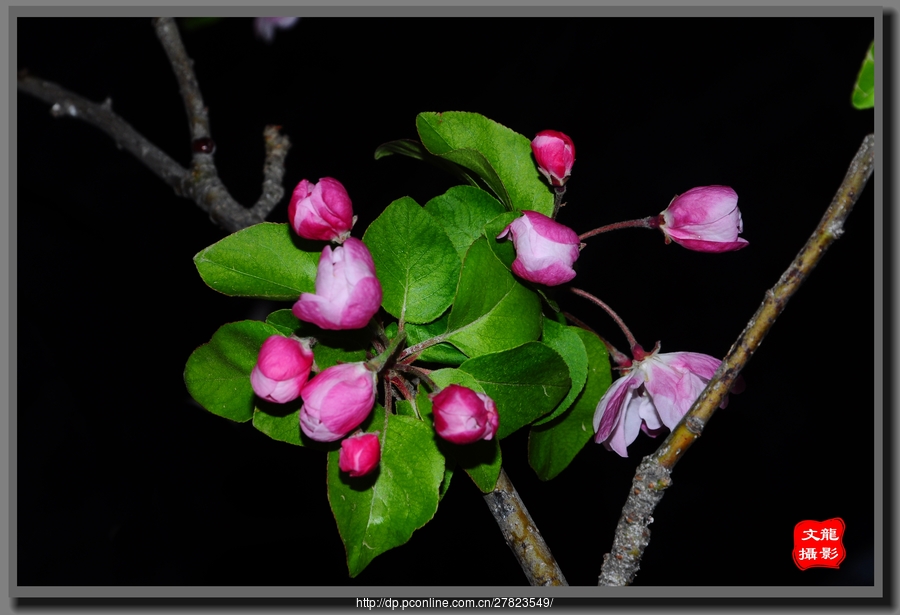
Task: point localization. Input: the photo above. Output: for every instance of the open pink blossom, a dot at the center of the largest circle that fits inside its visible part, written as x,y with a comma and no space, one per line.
347,292
555,155
321,211
336,401
282,369
360,454
705,219
545,249
463,416
655,393
265,26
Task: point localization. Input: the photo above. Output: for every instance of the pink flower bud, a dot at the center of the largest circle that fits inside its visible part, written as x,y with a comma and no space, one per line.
360,454
265,26
347,292
336,401
654,394
462,416
545,249
555,155
282,369
321,211
705,219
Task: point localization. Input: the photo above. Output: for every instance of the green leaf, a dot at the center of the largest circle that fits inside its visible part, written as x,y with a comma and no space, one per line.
266,261
217,374
553,446
463,211
285,321
415,149
445,484
283,426
499,155
481,460
449,375
415,262
864,89
405,408
438,353
568,344
525,382
381,510
492,311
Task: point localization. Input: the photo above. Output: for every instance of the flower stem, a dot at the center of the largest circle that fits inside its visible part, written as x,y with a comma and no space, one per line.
558,193
621,359
648,222
631,341
377,364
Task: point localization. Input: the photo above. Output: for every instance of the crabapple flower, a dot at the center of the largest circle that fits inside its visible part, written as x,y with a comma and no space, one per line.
360,454
336,401
321,211
281,369
555,155
347,292
545,249
657,392
705,219
462,416
265,26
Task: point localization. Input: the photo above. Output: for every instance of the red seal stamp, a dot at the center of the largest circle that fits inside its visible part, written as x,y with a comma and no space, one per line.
819,544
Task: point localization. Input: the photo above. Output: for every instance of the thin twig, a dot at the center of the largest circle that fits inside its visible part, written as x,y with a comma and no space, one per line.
653,474
65,103
522,535
200,183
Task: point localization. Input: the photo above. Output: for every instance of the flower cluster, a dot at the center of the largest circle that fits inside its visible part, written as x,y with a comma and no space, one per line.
337,400
654,393
348,294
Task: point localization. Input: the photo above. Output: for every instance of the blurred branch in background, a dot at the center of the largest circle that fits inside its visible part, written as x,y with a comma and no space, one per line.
201,182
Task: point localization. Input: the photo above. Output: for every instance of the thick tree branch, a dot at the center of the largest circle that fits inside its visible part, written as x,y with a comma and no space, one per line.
653,474
522,535
201,182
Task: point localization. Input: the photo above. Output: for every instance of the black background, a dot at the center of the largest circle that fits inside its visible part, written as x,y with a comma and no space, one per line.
121,479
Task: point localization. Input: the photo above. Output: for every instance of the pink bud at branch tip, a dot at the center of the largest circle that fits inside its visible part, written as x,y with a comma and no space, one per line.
282,369
336,401
463,416
545,249
704,219
555,155
360,454
321,211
